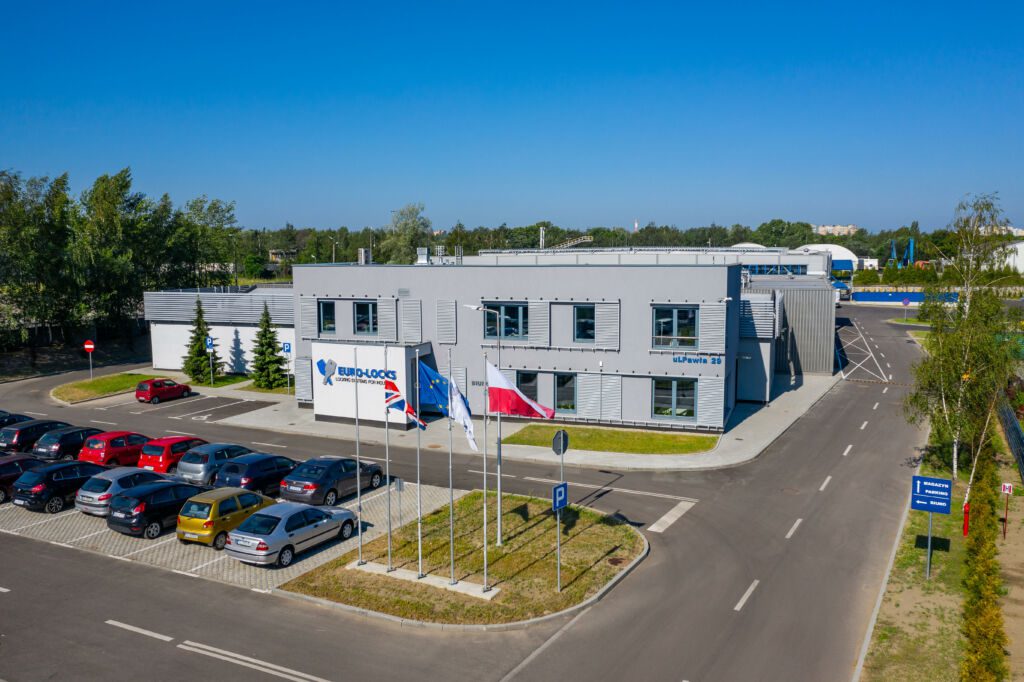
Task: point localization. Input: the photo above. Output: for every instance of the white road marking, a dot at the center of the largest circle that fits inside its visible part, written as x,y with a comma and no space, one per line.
127,402
256,589
875,407
890,377
54,517
618,490
847,450
97,421
151,546
489,473
9,532
876,346
248,662
670,517
888,366
793,529
38,414
885,390
172,403
746,595
211,561
190,575
208,409
823,485
119,558
59,544
539,650
4,589
863,426
180,433
140,631
90,535
275,445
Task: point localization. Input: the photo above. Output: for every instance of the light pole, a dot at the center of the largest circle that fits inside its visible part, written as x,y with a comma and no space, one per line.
334,249
497,336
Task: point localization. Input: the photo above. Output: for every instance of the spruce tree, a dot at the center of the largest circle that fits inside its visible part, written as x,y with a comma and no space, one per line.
268,365
197,363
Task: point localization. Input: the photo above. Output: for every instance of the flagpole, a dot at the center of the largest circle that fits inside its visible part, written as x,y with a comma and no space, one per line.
487,587
419,499
498,542
387,455
451,482
359,466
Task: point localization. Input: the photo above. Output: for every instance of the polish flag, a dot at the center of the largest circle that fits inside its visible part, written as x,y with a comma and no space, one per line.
505,398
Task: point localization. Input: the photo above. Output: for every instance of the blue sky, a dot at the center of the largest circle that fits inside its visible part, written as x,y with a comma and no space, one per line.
585,114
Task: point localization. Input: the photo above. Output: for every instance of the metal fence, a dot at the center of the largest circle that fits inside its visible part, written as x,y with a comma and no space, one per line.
1014,434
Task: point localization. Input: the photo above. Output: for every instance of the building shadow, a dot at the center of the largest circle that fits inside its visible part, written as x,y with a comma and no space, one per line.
236,360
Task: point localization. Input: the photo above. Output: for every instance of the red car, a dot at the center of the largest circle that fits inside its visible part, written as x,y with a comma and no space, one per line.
113,448
163,454
155,390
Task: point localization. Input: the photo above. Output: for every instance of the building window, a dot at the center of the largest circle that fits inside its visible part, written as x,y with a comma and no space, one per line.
583,324
365,318
512,319
565,392
327,325
675,327
674,398
527,383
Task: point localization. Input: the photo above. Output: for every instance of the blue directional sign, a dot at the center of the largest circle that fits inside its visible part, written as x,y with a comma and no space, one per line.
931,494
286,347
209,343
559,496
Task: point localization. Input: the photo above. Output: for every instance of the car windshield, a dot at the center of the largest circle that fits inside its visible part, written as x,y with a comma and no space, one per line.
49,438
311,470
232,469
196,510
142,387
95,443
155,450
195,458
96,485
259,524
7,435
31,478
123,501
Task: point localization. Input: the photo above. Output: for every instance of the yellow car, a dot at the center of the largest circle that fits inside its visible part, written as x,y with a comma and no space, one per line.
208,517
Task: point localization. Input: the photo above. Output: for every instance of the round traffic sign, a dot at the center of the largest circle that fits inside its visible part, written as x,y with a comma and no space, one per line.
906,301
89,346
560,443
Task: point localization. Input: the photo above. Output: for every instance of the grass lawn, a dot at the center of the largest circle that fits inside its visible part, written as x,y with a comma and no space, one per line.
920,336
222,381
615,440
98,387
594,549
284,390
915,321
917,636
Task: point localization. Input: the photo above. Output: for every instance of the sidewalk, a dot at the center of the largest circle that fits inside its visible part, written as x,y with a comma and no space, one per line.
751,429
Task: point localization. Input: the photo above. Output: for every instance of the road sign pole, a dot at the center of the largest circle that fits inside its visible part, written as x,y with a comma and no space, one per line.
451,479
928,561
359,464
558,548
419,499
90,366
1006,515
487,588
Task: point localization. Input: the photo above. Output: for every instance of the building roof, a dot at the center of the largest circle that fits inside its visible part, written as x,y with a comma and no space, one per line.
838,252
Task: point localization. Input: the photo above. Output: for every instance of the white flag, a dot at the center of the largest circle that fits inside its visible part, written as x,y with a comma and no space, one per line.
460,412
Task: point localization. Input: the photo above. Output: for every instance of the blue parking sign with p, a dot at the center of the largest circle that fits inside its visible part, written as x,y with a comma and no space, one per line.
209,342
559,496
286,347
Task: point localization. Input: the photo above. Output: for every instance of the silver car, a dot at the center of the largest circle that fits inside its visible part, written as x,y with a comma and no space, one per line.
200,464
95,494
275,534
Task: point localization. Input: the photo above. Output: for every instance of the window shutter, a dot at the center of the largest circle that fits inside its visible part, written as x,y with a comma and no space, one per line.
588,396
611,397
447,321
540,323
711,328
459,376
308,322
387,322
606,321
303,379
710,401
412,323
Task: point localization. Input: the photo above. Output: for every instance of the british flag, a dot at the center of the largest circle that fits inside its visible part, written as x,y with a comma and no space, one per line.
394,401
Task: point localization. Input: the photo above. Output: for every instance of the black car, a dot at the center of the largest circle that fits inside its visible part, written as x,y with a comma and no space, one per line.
8,418
321,481
22,437
148,509
64,443
52,487
11,469
259,471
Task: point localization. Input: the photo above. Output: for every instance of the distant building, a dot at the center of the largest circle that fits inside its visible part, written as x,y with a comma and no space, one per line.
867,263
281,255
836,230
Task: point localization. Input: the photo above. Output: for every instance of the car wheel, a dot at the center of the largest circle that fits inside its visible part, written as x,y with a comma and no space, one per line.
153,530
3,495
285,558
330,498
375,481
66,458
54,504
220,541
346,531
155,400
186,394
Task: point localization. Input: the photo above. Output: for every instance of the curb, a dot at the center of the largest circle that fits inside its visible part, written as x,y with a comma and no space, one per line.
65,403
455,627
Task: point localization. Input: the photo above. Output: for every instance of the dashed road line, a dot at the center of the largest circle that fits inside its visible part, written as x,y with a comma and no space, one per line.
4,590
823,485
864,425
139,631
746,595
273,445
97,421
847,450
875,407
793,529
489,473
180,433
38,414
885,390
882,355
618,490
888,366
249,662
670,517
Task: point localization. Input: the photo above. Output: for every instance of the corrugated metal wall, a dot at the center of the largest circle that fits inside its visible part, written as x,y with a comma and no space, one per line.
808,343
606,325
711,328
218,308
710,401
412,324
540,323
387,320
757,319
447,315
304,379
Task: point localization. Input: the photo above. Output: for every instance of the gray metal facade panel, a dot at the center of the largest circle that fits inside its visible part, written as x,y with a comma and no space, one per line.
411,329
387,319
308,313
588,396
757,319
218,308
810,321
606,323
611,397
711,328
710,401
540,323
447,321
459,376
304,379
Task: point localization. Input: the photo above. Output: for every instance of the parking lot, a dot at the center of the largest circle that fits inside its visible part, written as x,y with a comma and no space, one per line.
74,529
121,409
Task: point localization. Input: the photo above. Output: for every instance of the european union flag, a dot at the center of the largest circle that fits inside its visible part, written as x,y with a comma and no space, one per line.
433,390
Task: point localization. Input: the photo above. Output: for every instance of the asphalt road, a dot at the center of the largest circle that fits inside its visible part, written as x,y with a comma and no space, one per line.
771,575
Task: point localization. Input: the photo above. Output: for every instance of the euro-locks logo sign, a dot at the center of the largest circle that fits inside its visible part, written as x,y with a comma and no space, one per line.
326,368
330,370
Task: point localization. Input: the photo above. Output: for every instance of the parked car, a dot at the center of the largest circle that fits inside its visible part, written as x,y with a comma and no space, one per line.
257,471
22,436
113,448
209,517
11,469
8,418
64,443
274,535
95,494
163,454
148,509
155,390
201,463
324,479
51,487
